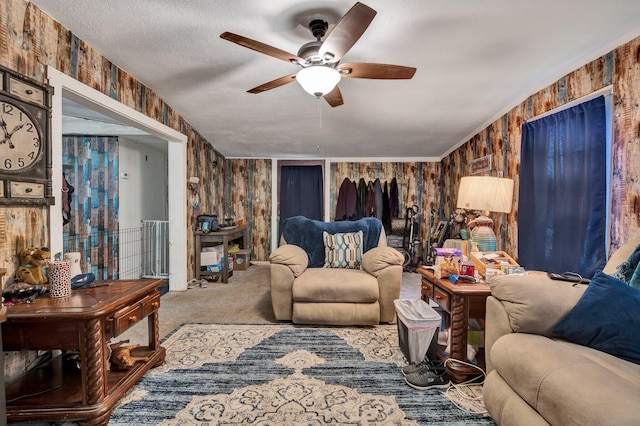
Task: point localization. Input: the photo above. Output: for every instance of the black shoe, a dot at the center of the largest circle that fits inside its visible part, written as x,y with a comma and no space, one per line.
424,365
427,379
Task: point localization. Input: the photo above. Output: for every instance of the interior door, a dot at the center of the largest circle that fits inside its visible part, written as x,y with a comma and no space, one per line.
301,192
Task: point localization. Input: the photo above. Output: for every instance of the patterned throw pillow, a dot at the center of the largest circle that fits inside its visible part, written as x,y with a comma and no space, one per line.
342,250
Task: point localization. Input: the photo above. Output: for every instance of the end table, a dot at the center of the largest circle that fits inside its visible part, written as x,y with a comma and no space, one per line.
461,302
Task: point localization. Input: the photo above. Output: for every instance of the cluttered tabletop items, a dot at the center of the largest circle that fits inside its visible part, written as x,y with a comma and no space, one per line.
452,264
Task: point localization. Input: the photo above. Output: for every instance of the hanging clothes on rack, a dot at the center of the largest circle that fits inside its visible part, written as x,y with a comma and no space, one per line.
377,186
371,200
346,205
362,199
394,203
386,214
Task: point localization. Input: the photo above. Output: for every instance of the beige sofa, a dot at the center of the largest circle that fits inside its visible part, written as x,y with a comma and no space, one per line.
335,296
535,378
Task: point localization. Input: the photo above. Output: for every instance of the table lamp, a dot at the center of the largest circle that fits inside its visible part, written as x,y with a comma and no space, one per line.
488,194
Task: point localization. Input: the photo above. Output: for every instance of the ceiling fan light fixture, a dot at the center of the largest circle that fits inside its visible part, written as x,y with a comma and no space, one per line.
318,80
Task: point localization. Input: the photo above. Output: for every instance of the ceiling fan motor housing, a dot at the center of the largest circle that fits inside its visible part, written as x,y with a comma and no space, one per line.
309,51
318,28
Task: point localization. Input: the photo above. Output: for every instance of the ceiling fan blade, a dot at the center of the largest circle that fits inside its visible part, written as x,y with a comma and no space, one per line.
273,84
376,71
347,32
261,47
334,97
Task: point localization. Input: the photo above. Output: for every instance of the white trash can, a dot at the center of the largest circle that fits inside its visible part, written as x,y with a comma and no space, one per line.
417,325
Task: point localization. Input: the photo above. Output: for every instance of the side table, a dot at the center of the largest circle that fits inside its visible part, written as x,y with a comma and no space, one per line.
82,322
224,236
461,302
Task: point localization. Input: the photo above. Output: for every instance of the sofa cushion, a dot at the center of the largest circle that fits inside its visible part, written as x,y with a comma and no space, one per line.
336,313
328,285
568,384
307,234
607,318
342,250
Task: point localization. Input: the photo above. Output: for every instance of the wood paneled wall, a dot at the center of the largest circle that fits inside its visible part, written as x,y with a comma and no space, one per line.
619,68
250,201
29,41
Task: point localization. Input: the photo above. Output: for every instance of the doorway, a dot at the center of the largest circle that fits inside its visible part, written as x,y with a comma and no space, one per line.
69,88
300,190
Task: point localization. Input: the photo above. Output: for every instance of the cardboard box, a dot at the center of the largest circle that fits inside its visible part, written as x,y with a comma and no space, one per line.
491,260
218,266
211,255
241,260
209,258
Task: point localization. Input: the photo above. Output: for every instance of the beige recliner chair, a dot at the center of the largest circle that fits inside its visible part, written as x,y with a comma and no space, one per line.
305,292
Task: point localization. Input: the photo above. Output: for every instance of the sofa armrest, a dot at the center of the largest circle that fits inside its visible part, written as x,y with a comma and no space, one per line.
497,325
292,257
385,263
287,262
377,259
534,303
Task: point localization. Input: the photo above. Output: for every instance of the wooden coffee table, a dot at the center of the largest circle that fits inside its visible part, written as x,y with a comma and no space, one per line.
462,301
84,321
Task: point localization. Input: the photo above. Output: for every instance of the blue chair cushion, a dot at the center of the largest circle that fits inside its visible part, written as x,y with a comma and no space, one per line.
607,318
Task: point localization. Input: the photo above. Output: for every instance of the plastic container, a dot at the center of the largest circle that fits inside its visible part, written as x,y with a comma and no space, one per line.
417,325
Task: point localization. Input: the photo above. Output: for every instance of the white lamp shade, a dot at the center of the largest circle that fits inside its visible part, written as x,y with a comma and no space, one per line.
318,80
485,193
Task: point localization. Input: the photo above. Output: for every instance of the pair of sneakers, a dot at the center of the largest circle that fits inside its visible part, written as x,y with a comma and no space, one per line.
426,375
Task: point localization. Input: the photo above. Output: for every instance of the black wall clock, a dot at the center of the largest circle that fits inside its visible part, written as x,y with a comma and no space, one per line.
25,140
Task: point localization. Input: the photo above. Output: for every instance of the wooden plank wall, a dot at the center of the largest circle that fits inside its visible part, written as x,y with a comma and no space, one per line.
620,68
250,201
30,40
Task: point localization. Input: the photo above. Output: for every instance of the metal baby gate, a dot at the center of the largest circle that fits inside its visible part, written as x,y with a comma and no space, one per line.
155,249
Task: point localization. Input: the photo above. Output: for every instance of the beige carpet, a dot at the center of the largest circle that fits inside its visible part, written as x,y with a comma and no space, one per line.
246,299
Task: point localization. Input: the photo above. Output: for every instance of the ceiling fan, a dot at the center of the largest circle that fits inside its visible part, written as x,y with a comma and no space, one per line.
320,60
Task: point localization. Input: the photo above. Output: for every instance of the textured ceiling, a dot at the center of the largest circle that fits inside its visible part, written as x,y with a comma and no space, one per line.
475,60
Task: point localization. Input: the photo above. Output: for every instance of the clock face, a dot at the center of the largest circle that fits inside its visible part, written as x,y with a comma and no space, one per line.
21,144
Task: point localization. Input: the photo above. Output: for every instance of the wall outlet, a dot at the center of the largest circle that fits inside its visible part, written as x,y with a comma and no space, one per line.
501,173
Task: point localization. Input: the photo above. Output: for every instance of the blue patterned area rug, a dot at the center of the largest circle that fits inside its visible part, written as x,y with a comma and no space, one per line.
283,374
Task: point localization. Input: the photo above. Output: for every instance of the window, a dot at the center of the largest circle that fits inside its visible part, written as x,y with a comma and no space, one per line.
563,198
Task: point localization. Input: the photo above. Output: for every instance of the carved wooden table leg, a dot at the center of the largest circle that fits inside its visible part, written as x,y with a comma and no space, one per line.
459,328
154,337
94,365
93,370
458,350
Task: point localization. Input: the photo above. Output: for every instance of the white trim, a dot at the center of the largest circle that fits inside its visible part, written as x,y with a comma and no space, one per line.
327,190
71,88
586,98
274,204
351,159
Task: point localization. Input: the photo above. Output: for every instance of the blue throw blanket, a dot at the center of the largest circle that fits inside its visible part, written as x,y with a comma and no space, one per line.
307,234
629,271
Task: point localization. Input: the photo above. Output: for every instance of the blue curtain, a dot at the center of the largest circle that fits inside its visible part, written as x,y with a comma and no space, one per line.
563,189
301,192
